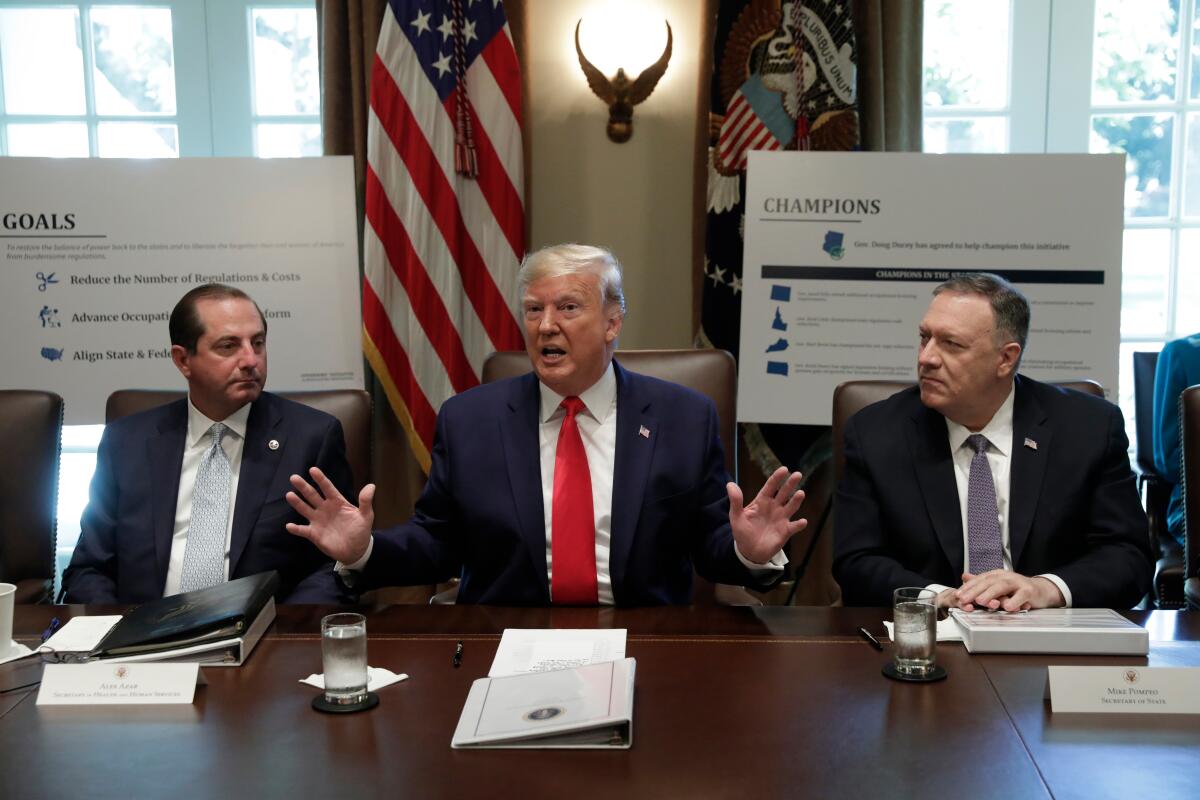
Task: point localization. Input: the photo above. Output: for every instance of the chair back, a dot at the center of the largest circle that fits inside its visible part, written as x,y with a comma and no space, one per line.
352,407
852,396
1144,364
1189,432
711,372
31,430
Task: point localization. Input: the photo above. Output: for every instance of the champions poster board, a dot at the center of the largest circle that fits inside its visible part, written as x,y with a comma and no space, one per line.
843,251
96,252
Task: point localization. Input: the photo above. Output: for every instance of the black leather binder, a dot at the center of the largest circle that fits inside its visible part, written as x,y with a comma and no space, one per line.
221,612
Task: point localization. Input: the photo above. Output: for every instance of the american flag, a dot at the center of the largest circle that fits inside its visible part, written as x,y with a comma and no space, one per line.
445,230
754,120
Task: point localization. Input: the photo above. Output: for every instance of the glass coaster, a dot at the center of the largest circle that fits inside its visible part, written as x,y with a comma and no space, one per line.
321,704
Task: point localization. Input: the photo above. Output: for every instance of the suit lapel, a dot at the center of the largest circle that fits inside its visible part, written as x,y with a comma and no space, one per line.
519,433
165,456
1028,467
259,463
631,465
929,443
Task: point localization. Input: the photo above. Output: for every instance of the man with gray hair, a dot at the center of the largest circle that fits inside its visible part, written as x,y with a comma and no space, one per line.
581,483
995,490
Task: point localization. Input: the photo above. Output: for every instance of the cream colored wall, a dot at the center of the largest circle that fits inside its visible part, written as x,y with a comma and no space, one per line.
634,197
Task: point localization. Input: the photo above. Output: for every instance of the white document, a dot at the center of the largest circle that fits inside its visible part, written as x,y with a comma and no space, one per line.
540,650
1075,631
85,296
842,251
1125,690
110,684
584,707
79,635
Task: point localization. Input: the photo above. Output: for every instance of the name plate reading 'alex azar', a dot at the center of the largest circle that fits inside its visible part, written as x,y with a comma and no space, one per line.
110,683
1125,690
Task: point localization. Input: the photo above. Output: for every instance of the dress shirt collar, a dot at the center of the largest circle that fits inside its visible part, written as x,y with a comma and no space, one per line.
599,398
998,431
198,423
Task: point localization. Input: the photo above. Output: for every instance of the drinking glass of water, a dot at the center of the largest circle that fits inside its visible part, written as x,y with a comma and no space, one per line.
344,658
915,619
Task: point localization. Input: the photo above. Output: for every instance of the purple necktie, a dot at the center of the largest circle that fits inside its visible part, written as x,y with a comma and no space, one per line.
983,521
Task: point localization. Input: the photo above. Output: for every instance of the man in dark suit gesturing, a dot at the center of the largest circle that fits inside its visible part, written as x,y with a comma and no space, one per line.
191,494
580,483
989,487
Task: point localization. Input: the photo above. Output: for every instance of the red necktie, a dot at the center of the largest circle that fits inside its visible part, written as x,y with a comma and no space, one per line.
573,528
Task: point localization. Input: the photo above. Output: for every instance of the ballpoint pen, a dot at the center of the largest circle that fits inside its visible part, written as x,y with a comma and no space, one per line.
866,634
458,650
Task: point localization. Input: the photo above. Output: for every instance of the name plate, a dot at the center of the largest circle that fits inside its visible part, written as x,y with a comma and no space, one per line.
109,683
1125,690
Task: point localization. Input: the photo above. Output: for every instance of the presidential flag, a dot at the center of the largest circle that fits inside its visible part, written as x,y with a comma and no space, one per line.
445,218
783,79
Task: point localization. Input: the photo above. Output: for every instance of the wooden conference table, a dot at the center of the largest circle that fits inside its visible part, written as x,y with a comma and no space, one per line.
731,702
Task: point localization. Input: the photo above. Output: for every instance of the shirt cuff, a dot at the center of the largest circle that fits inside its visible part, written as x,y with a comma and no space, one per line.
937,588
776,563
1062,587
357,566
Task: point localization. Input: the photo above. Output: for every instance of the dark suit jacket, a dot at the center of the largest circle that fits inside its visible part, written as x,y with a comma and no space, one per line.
1074,509
125,543
481,513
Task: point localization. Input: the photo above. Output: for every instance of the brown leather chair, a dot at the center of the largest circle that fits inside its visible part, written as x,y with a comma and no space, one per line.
1189,432
712,373
352,407
31,430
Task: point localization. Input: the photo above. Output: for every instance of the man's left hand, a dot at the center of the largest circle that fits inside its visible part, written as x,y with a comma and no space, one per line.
1005,590
762,528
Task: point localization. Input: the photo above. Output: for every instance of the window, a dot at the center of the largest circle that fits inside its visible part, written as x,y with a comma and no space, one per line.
1101,76
159,79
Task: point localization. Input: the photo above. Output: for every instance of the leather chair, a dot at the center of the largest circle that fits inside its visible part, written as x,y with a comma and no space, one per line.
1189,431
712,373
1154,490
352,407
31,430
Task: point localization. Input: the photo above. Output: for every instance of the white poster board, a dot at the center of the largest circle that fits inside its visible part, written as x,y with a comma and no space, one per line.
844,249
96,252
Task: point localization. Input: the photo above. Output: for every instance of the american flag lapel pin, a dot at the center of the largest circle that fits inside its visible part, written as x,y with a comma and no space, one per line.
1030,443
643,432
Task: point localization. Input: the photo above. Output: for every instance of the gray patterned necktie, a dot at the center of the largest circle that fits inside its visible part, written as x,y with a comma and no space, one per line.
983,520
204,555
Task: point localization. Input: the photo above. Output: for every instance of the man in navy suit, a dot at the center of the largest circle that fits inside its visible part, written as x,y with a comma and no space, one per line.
142,532
991,488
579,483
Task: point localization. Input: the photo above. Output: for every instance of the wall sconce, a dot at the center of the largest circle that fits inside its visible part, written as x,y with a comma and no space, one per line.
619,93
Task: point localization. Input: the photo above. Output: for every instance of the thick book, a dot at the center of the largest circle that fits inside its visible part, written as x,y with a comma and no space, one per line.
217,625
1067,631
587,707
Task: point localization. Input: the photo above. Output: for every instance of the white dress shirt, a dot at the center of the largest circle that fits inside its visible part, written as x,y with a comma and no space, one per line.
196,444
999,433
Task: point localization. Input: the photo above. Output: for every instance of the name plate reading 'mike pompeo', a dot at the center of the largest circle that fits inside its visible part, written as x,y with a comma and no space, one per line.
1125,690
107,683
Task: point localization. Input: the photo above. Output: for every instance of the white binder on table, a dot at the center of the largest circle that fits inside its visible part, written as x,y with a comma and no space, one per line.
583,707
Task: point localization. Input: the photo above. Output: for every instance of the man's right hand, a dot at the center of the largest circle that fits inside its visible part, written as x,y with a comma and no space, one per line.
335,526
